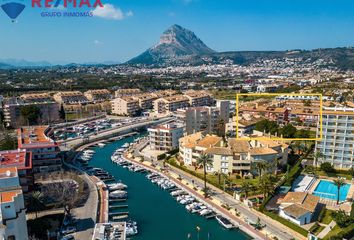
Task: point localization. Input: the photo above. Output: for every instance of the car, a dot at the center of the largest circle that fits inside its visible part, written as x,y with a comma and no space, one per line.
68,230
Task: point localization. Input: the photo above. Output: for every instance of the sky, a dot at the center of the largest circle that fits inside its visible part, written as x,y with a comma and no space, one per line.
123,29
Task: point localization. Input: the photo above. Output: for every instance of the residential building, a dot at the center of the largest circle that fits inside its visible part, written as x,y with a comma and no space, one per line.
165,137
233,156
127,92
165,93
245,127
127,106
146,100
22,160
170,104
225,107
272,113
71,98
197,119
298,207
36,98
199,98
337,144
12,207
48,112
46,155
98,95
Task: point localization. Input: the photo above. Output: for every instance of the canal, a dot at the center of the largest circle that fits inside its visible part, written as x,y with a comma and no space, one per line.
158,215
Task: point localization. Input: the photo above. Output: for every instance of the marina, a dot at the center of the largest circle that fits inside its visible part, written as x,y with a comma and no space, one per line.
177,214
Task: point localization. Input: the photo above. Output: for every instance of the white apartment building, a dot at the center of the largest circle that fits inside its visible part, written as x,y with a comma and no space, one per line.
12,207
205,119
337,144
199,98
165,137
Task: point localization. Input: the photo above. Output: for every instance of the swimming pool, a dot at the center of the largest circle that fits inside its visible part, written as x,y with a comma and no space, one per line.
327,189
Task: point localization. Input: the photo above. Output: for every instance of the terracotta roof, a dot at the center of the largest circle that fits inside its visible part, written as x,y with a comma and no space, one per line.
209,141
307,201
5,170
219,151
9,195
190,141
17,158
262,151
295,210
239,146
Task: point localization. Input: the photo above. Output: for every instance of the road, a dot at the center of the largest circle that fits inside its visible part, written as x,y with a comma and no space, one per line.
114,131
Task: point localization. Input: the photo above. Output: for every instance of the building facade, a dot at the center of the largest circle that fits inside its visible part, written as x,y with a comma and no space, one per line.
337,144
98,95
165,137
46,155
170,104
12,207
128,106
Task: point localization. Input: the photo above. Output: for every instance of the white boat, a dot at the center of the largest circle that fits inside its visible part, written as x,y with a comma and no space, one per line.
131,228
125,145
224,222
101,145
116,186
89,151
198,208
205,212
177,193
118,194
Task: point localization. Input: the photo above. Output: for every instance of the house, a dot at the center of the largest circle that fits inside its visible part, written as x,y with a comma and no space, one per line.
298,207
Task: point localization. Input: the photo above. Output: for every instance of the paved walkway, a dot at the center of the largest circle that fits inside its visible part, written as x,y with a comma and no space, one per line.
326,230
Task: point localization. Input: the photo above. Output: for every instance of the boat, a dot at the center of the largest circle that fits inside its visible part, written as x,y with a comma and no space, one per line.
116,186
131,228
125,145
224,222
118,194
101,145
198,208
205,212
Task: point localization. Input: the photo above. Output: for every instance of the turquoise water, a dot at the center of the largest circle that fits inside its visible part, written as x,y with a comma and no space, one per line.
158,215
327,189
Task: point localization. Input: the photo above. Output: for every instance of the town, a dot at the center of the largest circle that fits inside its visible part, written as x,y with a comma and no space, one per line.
217,154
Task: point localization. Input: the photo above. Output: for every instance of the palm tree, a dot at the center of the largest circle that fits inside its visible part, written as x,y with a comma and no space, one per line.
276,164
246,187
266,183
35,201
261,165
339,183
204,160
316,156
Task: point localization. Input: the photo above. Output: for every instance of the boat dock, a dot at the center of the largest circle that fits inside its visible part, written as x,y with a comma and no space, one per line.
112,207
117,200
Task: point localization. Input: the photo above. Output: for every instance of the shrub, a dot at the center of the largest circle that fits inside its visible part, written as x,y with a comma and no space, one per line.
161,156
342,219
327,167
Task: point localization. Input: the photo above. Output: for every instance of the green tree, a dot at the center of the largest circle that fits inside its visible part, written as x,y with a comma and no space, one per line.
261,166
316,157
205,161
339,183
35,202
246,187
341,218
31,113
266,184
327,167
2,120
62,113
288,131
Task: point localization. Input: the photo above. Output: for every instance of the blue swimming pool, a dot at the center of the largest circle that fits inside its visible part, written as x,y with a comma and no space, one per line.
327,189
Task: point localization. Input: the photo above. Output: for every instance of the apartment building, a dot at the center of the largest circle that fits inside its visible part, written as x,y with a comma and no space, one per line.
199,98
146,100
337,144
71,98
46,155
272,113
127,92
22,160
165,137
245,127
127,106
98,95
36,97
197,119
234,156
48,112
170,104
165,93
12,207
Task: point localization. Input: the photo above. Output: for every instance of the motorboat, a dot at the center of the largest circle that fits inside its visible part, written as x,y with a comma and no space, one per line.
131,228
118,194
116,186
205,212
224,222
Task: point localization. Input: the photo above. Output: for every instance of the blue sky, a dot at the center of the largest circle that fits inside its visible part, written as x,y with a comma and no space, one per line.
131,26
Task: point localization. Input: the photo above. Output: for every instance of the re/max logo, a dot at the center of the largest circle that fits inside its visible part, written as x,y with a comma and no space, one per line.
66,3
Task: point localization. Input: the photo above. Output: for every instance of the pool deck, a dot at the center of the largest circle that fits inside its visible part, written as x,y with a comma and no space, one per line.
332,204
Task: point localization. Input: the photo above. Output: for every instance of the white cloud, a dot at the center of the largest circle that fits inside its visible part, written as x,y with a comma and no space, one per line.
97,42
109,11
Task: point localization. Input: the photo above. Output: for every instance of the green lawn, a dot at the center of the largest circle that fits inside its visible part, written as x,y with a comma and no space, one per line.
327,216
335,174
316,229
